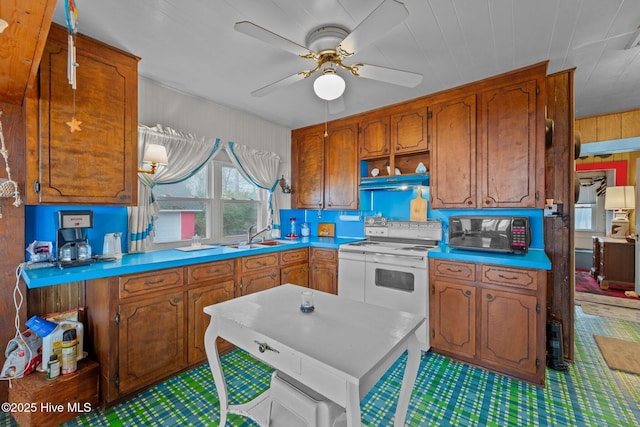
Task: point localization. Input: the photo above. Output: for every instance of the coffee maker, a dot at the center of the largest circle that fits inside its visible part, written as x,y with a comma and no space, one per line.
72,246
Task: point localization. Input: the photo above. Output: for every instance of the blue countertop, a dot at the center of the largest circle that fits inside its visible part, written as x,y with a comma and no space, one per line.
535,258
156,260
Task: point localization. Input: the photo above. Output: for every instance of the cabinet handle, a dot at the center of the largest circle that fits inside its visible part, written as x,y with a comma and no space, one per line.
175,301
397,147
469,202
467,293
385,149
153,282
487,202
263,346
273,275
196,297
451,270
489,297
507,278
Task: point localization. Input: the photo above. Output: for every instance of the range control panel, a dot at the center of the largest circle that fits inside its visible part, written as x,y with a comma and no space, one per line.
381,227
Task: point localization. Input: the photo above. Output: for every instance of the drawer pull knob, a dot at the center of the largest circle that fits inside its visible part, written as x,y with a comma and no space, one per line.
451,270
507,278
263,346
467,293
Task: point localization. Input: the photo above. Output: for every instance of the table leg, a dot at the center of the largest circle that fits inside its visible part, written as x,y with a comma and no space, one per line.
354,417
408,380
216,369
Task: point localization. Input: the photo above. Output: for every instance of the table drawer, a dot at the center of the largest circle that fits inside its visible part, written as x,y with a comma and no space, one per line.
210,270
454,269
151,281
505,276
279,357
257,262
294,256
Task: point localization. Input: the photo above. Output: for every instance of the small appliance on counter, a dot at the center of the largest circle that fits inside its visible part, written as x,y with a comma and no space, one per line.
490,233
72,245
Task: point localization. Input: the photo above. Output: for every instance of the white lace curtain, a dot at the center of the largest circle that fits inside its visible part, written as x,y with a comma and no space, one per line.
261,169
186,155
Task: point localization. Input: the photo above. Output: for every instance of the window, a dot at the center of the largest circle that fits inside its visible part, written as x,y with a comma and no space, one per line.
585,208
216,203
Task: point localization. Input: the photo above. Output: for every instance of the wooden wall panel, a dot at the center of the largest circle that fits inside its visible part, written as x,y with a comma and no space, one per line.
558,231
52,299
630,124
12,243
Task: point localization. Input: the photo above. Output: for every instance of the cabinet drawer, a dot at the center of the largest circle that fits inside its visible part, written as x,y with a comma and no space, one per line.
505,276
293,256
257,262
326,255
210,270
454,270
151,281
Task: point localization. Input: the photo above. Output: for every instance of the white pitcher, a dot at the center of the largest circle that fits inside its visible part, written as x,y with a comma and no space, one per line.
112,246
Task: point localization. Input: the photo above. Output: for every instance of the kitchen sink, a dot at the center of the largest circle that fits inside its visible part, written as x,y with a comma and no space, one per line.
272,243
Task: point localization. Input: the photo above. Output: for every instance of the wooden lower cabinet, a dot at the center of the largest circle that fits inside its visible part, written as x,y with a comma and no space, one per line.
209,283
490,316
152,332
323,270
453,318
295,267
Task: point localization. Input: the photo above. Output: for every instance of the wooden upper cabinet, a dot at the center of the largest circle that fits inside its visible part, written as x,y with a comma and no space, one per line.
452,128
374,136
307,170
341,165
511,147
409,131
98,164
325,169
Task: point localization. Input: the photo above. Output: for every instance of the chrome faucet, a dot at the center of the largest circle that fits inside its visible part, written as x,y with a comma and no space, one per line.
250,236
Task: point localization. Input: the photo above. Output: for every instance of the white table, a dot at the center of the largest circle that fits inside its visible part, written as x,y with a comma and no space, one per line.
340,350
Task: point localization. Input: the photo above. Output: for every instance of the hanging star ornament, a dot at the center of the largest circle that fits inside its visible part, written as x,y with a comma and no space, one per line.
74,125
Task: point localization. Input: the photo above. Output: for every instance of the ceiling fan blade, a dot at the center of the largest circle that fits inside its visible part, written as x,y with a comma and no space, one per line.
337,105
386,16
591,43
278,85
262,34
390,75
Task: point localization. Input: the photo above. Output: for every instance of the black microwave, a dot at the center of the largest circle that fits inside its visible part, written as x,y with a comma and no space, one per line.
490,233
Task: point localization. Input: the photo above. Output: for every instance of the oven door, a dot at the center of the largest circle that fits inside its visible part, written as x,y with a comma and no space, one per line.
399,282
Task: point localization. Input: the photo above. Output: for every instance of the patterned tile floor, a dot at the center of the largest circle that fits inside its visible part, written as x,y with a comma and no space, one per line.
446,392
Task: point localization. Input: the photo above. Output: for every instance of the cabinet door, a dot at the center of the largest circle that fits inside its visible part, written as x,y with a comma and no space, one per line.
198,321
341,167
307,168
296,274
98,164
152,340
453,318
324,277
409,131
374,136
260,280
453,153
509,150
508,331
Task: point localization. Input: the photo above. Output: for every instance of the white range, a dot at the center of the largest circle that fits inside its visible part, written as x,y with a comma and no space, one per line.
390,268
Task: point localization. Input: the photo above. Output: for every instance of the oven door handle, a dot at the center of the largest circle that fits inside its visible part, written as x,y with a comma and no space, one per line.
417,258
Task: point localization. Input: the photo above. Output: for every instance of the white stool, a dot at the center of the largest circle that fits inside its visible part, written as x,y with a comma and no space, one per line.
294,404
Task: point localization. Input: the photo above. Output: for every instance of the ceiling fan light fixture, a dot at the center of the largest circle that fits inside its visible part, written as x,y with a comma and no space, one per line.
329,85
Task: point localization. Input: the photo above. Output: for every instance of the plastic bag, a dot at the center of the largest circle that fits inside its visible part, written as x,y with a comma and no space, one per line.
23,354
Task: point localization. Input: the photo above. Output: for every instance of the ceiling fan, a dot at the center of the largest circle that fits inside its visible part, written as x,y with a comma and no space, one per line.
329,45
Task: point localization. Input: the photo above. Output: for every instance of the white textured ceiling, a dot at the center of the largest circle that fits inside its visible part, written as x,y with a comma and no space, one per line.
191,46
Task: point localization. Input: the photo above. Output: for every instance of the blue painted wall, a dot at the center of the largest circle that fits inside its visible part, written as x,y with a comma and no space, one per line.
396,205
41,223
